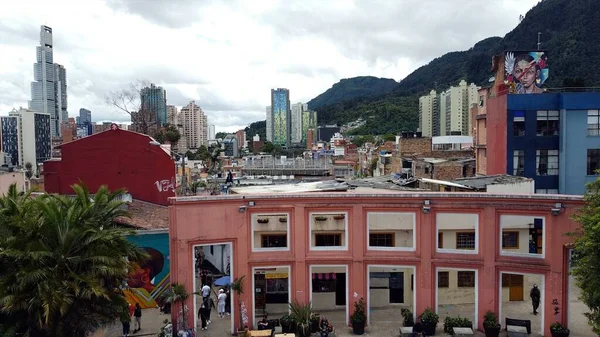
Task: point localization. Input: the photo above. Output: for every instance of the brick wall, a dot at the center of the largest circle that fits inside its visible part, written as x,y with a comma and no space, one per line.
414,145
444,171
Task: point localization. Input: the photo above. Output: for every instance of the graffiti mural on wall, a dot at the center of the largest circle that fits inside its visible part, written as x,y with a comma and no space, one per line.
525,72
153,277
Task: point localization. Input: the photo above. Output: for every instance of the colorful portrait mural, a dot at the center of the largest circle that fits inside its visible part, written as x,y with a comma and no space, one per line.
147,283
525,72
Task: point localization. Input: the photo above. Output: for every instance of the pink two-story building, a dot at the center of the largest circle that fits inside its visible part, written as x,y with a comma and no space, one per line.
461,254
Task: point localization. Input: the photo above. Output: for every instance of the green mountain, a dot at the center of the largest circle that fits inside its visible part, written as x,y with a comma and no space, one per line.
571,38
353,88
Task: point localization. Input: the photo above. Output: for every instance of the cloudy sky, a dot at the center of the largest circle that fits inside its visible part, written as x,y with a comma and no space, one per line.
227,55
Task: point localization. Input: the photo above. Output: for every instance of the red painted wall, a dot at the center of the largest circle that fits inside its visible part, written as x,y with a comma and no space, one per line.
496,135
117,158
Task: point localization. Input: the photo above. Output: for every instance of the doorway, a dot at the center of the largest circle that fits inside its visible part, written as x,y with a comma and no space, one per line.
213,267
329,292
515,301
514,283
272,292
390,292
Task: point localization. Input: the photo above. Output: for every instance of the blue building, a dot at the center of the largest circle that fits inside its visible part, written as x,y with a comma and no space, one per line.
554,138
282,116
154,99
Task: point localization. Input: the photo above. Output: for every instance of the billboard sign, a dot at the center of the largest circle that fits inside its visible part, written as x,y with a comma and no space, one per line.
525,72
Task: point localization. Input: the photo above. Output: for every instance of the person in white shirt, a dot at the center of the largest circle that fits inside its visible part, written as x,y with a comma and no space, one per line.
205,292
221,303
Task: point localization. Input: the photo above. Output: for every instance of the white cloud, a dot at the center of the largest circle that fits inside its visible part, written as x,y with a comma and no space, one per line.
227,55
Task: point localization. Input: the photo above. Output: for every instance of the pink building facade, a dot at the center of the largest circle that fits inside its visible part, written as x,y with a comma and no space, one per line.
486,237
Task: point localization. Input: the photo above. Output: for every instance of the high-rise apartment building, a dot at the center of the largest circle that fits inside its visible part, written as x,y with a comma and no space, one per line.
269,126
195,126
33,130
447,113
280,103
298,110
212,132
10,139
49,89
85,117
154,100
172,115
309,121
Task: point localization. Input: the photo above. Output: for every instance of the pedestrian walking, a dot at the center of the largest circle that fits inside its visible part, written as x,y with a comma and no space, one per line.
202,314
209,305
137,315
205,292
221,303
535,298
125,322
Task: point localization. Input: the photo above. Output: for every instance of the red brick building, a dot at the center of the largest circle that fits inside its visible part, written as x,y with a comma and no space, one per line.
116,158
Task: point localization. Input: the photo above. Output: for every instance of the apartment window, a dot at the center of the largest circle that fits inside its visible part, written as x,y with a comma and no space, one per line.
593,161
328,240
519,123
510,240
440,240
546,162
465,240
547,123
593,121
274,241
466,279
519,162
381,240
443,279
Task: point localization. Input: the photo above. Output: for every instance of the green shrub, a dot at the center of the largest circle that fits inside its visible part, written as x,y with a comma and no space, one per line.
456,322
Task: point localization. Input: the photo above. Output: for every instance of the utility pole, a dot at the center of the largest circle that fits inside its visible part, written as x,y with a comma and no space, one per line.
183,180
539,43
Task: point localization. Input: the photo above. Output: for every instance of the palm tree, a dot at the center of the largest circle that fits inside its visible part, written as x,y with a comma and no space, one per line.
63,262
238,286
178,294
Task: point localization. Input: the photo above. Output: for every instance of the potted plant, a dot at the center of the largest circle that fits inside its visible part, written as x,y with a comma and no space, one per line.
429,319
407,317
456,322
238,287
490,324
287,324
301,315
266,220
339,217
320,218
557,329
283,219
359,318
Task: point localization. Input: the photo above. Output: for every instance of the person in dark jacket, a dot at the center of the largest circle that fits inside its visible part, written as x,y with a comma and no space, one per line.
535,298
137,315
126,322
209,305
202,314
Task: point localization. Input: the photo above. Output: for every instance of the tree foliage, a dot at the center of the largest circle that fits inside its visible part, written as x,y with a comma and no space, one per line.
353,88
143,117
221,135
168,133
63,263
586,268
257,128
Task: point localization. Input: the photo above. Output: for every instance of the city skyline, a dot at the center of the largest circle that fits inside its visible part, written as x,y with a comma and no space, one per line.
230,82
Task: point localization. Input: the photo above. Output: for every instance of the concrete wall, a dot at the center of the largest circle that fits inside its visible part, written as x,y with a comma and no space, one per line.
9,178
525,187
219,257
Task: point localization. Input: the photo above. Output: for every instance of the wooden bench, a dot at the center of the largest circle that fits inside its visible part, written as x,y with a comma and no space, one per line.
406,331
462,332
517,325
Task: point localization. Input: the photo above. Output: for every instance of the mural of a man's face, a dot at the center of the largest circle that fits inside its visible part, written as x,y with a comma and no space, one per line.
526,73
139,278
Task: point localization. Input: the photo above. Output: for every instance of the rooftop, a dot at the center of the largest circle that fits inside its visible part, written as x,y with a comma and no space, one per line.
145,215
480,182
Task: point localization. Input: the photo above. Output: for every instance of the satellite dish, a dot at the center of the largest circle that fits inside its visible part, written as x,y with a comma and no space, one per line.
492,79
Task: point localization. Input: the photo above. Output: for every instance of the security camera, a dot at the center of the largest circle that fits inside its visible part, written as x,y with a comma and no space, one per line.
242,209
555,211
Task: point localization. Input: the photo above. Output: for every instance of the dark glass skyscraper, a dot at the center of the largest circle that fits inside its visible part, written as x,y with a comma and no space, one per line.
282,116
154,99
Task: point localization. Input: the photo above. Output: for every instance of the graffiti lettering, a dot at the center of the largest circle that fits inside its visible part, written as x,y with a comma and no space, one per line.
165,185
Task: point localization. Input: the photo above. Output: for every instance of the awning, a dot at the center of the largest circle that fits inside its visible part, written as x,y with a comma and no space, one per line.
323,276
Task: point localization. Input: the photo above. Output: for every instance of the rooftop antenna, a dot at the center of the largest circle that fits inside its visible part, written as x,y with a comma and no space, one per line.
539,42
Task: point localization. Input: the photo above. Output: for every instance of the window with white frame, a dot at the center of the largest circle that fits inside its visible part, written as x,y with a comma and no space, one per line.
522,235
457,232
593,123
328,231
391,230
270,231
546,162
547,123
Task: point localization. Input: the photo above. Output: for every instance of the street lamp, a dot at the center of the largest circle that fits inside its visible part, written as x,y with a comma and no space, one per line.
183,180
